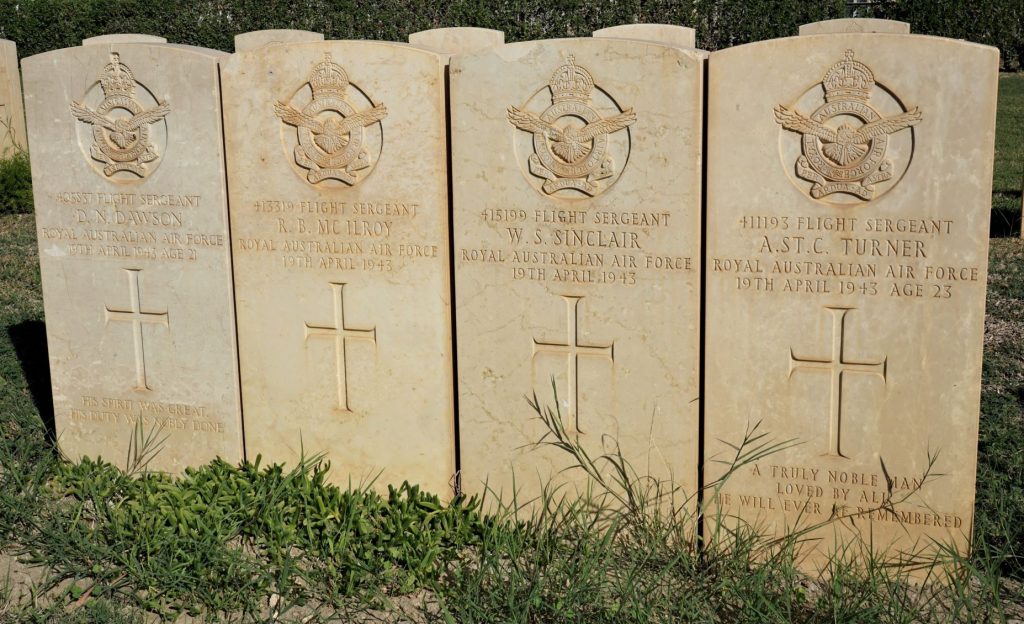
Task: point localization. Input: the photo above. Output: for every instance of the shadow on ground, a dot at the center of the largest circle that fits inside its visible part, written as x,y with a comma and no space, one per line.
29,341
1006,222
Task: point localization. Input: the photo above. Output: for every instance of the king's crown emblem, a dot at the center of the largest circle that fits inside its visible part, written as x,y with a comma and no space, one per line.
848,79
117,78
328,79
571,82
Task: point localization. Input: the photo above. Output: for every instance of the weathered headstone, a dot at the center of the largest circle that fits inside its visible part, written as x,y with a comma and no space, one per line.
339,217
457,40
576,168
848,25
131,213
671,34
12,111
848,204
259,38
123,38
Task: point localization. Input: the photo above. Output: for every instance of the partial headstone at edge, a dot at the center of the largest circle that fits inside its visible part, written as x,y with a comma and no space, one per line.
12,109
123,38
259,38
133,239
670,34
458,39
849,25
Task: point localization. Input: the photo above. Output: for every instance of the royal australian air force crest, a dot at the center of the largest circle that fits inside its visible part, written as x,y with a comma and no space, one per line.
126,125
337,127
857,143
580,136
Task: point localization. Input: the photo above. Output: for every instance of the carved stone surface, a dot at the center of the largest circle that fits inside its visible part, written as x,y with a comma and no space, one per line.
122,38
339,217
844,142
259,38
847,247
12,111
131,214
457,40
577,186
670,34
848,25
122,143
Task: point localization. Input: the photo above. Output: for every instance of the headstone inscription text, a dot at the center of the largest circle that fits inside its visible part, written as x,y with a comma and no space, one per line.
846,264
338,181
577,237
131,212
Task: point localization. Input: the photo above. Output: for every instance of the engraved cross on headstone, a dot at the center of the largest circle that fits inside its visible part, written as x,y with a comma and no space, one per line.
574,351
837,365
341,335
136,317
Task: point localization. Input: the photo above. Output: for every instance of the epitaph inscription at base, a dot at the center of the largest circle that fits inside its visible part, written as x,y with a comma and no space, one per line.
847,247
576,168
131,213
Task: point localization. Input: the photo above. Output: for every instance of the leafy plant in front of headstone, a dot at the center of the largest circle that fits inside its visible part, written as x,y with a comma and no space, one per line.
163,545
354,535
219,535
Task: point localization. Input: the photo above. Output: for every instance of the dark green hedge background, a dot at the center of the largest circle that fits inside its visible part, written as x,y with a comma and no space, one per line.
41,25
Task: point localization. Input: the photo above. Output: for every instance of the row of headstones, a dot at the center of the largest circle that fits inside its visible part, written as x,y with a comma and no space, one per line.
831,192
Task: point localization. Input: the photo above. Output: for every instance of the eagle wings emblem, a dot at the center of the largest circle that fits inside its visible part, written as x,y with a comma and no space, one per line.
845,144
122,132
121,143
331,132
565,154
848,158
571,143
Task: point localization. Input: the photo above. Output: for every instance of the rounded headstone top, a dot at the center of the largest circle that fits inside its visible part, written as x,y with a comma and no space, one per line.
260,38
670,34
123,38
457,40
855,25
